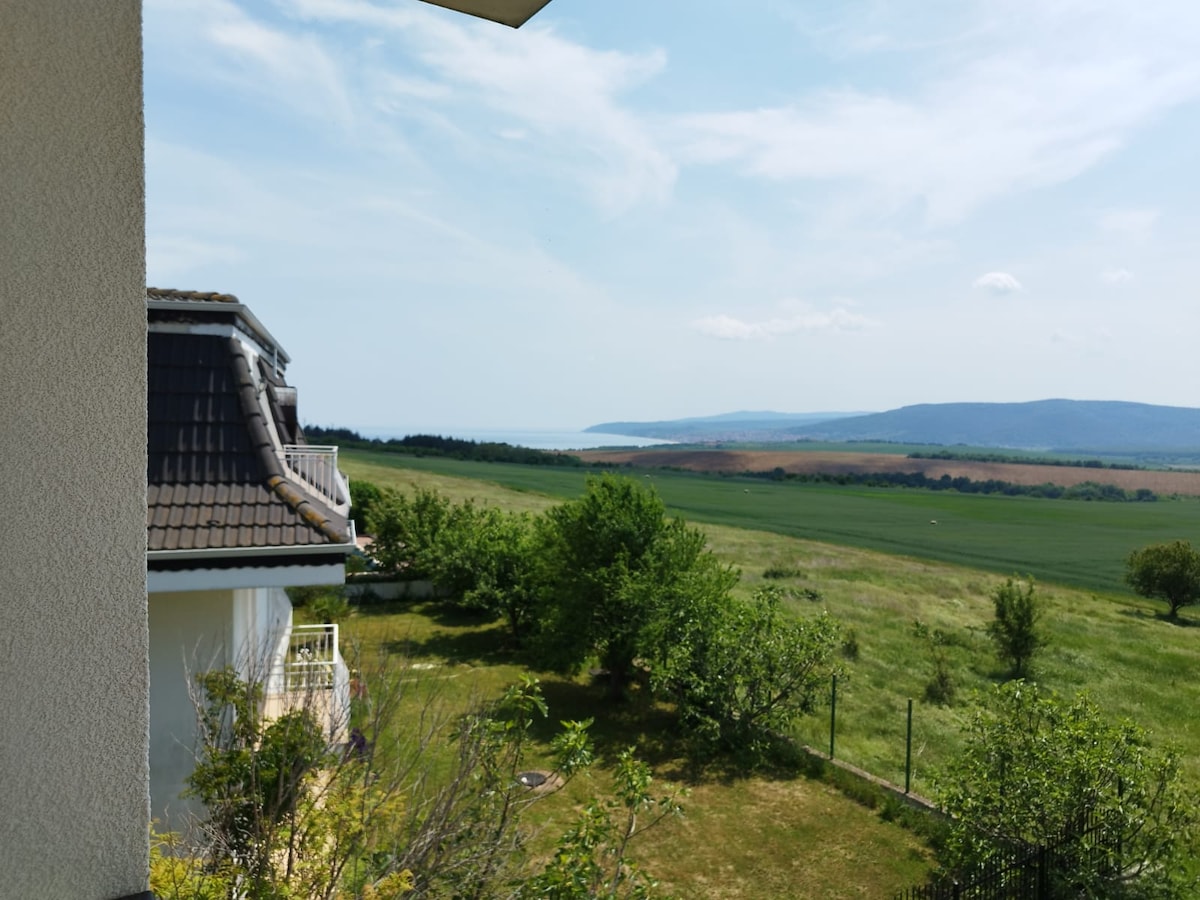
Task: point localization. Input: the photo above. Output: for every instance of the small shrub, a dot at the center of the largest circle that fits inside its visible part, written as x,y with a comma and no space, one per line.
779,572
940,688
850,644
1014,629
330,607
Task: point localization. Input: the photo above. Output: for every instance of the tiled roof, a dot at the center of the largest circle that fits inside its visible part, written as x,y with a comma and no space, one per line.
153,293
214,479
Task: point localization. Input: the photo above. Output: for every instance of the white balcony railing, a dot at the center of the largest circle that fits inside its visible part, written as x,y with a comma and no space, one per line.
312,658
312,675
316,470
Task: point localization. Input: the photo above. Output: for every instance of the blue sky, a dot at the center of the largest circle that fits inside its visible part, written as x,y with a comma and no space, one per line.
650,209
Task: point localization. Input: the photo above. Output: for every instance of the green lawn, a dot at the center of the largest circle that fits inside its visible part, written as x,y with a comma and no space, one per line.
1102,639
1076,543
785,836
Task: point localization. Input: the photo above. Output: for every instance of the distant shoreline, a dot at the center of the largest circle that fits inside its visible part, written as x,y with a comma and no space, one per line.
533,438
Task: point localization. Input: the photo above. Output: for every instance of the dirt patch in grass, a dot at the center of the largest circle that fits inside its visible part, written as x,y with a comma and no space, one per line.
831,463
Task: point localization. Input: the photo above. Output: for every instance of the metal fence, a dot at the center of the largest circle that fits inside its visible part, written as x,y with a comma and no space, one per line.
1030,873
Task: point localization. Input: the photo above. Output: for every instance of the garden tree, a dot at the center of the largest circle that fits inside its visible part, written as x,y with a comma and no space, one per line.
1169,571
741,672
292,818
1037,770
611,562
1014,628
363,497
485,559
405,529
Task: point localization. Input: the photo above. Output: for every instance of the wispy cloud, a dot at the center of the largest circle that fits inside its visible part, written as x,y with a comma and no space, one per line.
226,44
564,94
1002,109
998,283
730,328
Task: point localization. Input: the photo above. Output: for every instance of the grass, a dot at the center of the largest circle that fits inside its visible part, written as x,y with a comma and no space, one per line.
1073,543
758,836
1120,648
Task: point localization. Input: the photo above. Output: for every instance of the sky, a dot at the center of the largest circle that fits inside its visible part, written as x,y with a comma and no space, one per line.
653,209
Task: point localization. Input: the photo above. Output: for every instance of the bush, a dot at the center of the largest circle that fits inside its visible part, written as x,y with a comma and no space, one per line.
777,572
941,688
1014,630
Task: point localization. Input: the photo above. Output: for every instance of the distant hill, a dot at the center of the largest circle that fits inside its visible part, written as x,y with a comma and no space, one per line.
734,426
1098,426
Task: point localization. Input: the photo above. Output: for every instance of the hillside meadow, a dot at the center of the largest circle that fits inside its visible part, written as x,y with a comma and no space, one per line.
1066,542
829,544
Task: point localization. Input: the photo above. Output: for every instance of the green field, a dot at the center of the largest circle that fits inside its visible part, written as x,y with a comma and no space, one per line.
877,564
1076,543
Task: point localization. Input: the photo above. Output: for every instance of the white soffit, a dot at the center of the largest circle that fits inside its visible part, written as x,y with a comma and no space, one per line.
507,12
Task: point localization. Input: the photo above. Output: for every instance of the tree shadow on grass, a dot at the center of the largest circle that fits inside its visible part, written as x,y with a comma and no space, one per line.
470,647
1158,616
638,722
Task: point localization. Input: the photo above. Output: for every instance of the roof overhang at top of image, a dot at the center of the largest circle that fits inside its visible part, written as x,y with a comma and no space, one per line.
514,13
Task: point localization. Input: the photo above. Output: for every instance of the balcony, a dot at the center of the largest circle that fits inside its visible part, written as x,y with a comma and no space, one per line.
312,675
315,470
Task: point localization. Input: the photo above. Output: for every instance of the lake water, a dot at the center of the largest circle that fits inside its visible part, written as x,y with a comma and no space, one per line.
533,438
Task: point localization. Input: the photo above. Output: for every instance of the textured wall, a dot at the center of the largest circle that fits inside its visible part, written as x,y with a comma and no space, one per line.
190,632
74,804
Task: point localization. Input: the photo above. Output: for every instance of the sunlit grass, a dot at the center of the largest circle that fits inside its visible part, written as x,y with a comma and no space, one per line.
1119,648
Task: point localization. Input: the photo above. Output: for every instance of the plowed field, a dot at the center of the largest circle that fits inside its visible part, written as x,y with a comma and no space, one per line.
813,463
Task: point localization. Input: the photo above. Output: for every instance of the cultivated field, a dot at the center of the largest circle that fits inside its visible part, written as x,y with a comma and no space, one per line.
805,462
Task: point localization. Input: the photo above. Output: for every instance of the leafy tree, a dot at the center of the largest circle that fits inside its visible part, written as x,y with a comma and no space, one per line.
1039,770
611,563
1169,571
1014,629
406,530
363,497
291,817
741,672
485,559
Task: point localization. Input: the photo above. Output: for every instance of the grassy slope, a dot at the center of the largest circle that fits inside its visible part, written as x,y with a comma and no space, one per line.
1060,541
1113,644
741,837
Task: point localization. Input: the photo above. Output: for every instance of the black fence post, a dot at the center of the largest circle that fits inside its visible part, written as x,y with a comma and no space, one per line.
832,714
908,751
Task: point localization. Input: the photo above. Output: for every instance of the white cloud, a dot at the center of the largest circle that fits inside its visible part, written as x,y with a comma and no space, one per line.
564,93
1116,276
729,328
1004,108
224,43
998,283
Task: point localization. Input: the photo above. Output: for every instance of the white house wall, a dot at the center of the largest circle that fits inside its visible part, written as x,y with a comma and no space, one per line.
74,805
262,621
190,632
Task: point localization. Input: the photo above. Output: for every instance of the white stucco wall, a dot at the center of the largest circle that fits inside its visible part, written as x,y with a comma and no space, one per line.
74,804
190,632
262,621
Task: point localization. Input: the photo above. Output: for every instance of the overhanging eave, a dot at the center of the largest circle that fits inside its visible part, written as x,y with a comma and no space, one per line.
514,13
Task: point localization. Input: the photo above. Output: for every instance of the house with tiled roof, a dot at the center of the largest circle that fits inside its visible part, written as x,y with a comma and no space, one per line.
238,508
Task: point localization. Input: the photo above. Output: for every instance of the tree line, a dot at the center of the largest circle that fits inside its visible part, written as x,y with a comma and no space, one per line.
1086,490
436,445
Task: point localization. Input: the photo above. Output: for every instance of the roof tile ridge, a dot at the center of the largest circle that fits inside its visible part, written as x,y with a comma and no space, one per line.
276,481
